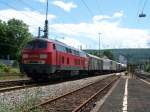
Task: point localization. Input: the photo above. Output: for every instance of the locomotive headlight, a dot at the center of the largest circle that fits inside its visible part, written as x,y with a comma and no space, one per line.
25,56
42,62
43,56
25,61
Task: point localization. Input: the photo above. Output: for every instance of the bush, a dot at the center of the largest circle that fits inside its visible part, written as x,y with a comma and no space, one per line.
15,70
7,69
15,64
4,68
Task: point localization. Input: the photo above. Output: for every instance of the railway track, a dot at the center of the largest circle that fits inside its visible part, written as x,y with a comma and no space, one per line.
82,99
145,77
14,83
15,86
6,86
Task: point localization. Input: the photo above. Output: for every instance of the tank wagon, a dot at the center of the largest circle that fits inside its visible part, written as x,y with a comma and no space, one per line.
46,58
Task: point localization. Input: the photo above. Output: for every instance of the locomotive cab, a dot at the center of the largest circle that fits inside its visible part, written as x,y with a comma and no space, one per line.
35,51
37,58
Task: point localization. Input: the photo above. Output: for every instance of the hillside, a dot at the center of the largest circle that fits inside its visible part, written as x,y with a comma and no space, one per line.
134,56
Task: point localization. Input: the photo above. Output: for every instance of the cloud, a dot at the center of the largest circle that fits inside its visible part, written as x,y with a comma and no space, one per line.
42,1
100,17
72,42
113,35
116,15
32,18
65,6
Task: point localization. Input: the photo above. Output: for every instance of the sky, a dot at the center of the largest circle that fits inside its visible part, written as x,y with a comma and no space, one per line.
82,22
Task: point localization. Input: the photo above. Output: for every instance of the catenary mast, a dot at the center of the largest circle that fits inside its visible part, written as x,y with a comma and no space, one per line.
46,23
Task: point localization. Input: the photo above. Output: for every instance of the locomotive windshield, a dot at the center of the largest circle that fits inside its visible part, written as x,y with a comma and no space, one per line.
36,44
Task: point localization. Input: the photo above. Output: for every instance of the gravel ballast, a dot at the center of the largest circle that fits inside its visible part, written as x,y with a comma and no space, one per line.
15,101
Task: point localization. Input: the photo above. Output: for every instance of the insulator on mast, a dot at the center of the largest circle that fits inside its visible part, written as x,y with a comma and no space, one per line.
142,15
39,32
46,29
46,23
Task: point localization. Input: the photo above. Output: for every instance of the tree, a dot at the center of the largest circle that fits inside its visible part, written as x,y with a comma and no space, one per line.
3,38
13,36
94,53
109,54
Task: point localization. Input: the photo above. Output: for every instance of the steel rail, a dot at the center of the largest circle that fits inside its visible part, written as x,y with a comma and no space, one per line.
59,97
7,89
91,99
9,86
143,77
13,82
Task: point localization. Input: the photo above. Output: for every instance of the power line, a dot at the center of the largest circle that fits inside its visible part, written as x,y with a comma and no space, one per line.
138,7
33,26
14,8
144,5
89,10
8,5
141,14
22,1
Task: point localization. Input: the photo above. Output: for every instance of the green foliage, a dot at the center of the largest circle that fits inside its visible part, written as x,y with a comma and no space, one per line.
109,54
7,69
4,68
14,35
134,56
147,67
94,53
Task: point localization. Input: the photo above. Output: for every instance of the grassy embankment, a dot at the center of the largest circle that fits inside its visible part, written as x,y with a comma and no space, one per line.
10,73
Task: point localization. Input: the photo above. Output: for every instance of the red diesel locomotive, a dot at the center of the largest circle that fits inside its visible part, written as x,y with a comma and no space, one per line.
43,58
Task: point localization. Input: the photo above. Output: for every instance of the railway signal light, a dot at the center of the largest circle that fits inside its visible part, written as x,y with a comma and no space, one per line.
142,15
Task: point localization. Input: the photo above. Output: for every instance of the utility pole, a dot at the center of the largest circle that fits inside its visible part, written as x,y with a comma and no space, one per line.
99,45
39,32
46,23
80,47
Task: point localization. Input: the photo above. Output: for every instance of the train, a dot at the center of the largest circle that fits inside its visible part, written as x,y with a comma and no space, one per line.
43,58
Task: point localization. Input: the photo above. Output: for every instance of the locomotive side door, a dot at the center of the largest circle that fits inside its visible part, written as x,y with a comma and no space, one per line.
54,55
57,57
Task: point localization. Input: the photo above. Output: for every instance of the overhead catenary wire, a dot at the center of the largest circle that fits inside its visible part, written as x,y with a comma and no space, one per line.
142,14
8,18
45,29
138,8
25,3
88,9
10,6
13,8
145,2
33,26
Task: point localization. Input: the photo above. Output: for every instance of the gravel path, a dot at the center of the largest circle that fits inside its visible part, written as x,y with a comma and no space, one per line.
15,101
